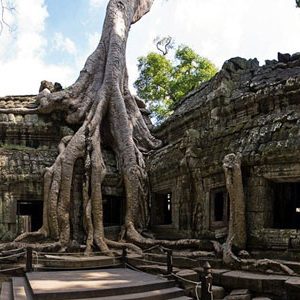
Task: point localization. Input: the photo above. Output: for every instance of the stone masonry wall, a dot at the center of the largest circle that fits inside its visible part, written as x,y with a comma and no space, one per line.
246,109
28,144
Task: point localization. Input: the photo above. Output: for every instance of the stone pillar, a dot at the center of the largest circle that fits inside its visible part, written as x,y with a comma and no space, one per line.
10,208
234,185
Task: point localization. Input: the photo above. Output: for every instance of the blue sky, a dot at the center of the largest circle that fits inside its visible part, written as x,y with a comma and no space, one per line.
54,37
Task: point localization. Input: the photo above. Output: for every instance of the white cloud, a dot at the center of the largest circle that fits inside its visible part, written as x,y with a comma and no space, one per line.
220,29
22,64
216,29
62,43
98,3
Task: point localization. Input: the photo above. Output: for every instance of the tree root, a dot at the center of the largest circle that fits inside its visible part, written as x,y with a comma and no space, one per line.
32,236
39,247
135,237
266,266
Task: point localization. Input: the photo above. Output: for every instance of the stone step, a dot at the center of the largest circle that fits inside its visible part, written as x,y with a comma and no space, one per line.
157,269
182,298
161,294
292,286
93,283
21,290
6,291
241,294
259,283
185,277
57,262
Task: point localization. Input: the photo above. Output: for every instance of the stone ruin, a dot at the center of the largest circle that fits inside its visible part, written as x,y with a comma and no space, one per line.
248,112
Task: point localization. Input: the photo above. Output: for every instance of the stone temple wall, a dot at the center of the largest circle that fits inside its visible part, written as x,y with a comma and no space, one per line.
246,109
28,144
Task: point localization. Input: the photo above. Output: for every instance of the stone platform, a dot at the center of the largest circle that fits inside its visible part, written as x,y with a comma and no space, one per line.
109,284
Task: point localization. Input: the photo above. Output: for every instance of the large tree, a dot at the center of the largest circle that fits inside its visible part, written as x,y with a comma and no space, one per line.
100,104
162,82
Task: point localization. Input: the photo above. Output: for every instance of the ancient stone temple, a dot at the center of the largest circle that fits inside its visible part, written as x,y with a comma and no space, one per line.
232,147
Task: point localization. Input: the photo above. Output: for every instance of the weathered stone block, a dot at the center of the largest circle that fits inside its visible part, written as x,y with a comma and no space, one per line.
242,294
240,279
218,292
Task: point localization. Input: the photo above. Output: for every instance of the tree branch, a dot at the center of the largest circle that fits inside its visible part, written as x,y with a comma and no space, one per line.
4,8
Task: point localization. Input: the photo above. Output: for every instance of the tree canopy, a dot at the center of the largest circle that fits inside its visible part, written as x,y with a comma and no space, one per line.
162,81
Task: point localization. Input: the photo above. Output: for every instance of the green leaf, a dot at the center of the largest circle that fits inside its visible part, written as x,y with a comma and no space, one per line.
163,82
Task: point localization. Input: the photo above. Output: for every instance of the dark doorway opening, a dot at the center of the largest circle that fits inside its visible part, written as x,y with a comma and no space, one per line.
34,211
162,209
112,211
286,210
219,208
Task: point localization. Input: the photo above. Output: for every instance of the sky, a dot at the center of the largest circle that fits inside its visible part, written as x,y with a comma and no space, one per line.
51,39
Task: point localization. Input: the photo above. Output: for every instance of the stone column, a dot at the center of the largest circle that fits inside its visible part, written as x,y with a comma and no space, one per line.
234,185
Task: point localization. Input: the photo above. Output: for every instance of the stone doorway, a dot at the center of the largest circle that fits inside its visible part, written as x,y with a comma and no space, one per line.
219,208
113,211
30,215
161,209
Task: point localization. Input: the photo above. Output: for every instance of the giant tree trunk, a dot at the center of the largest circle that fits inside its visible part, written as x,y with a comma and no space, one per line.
100,101
237,233
100,93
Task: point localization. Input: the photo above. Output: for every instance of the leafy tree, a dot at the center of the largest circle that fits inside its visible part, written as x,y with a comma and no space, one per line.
163,82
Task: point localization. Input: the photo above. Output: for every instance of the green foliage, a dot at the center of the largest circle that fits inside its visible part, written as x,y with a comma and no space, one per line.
298,3
163,82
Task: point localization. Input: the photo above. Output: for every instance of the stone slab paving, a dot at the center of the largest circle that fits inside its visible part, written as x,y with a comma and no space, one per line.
21,290
44,283
6,291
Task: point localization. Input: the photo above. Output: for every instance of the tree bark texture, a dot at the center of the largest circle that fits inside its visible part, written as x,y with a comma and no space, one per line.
100,102
234,184
100,95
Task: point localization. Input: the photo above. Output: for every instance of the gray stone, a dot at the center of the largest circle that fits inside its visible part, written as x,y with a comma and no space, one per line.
218,292
57,87
271,62
284,57
46,85
244,254
239,292
295,56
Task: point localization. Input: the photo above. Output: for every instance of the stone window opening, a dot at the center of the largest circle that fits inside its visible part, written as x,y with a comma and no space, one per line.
161,208
219,208
286,205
